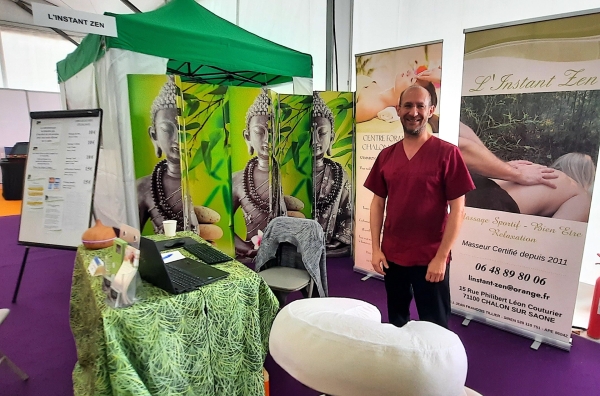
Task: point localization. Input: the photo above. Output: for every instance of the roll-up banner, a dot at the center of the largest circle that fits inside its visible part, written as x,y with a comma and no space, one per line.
381,77
530,96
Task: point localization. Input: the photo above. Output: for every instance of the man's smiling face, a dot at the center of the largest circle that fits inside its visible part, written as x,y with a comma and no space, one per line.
415,110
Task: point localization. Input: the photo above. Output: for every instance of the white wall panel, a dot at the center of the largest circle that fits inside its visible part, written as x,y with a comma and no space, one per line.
44,101
226,9
299,25
14,117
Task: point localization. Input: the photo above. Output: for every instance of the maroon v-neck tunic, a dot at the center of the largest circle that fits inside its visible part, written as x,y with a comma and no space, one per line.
417,192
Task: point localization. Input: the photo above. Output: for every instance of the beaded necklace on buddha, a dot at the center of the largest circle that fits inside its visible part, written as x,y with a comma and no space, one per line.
323,203
250,189
161,202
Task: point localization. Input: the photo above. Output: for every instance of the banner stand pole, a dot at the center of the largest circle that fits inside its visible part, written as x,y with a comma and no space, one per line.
14,299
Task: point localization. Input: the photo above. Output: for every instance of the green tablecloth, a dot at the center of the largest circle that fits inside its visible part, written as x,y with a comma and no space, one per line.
212,341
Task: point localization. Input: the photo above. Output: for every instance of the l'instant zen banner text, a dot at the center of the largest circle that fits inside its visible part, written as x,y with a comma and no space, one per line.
529,100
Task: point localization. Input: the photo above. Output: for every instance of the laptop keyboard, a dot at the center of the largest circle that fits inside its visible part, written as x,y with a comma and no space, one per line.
207,253
182,279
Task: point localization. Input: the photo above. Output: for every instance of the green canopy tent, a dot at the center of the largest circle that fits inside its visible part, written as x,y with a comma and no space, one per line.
181,38
199,45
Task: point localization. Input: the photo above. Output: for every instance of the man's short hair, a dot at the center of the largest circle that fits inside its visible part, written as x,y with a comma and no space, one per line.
430,90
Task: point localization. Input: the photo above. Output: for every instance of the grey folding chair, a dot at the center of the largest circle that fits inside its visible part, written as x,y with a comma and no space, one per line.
291,257
3,358
284,280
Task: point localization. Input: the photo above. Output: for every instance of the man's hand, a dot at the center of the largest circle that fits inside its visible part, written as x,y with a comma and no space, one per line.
436,270
378,261
531,174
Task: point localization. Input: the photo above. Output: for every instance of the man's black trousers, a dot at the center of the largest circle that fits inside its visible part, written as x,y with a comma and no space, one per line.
432,299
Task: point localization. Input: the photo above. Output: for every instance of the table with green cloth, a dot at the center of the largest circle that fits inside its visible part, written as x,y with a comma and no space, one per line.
211,341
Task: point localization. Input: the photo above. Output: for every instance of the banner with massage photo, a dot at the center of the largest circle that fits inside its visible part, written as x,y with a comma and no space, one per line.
381,77
530,96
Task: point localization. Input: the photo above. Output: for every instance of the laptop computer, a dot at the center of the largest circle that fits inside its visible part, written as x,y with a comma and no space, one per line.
176,277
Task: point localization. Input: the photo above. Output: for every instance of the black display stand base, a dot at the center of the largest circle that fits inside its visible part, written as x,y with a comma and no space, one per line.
14,299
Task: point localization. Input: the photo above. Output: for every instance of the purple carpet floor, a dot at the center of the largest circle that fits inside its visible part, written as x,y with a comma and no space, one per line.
37,337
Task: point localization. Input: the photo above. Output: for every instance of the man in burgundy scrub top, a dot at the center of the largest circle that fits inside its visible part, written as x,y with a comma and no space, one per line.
418,177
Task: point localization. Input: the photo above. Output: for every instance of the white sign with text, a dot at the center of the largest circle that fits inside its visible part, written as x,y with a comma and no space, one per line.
519,270
73,20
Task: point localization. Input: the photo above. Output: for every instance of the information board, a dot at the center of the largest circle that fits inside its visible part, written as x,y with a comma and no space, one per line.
518,272
59,177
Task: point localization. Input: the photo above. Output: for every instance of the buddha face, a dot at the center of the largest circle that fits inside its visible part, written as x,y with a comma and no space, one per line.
257,135
323,136
164,134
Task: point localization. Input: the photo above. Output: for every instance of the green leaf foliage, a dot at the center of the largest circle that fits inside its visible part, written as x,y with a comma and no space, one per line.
192,126
197,160
298,187
341,153
220,90
227,198
296,153
347,141
191,108
215,172
204,147
288,157
211,196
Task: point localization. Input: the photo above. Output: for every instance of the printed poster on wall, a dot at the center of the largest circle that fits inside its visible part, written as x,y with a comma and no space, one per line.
333,136
381,77
529,101
153,102
181,161
293,152
254,175
205,159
